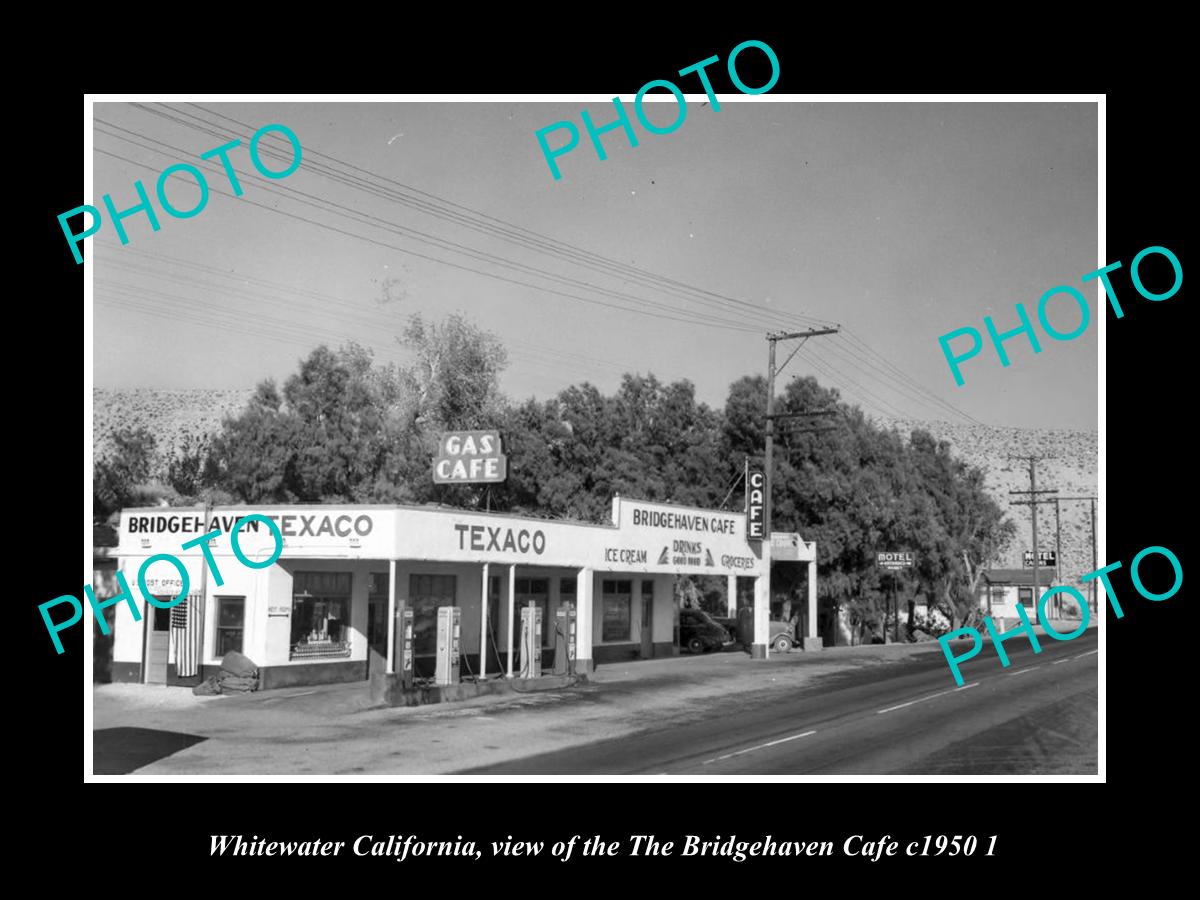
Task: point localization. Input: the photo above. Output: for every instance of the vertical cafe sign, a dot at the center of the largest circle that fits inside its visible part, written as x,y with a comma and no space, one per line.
754,505
470,457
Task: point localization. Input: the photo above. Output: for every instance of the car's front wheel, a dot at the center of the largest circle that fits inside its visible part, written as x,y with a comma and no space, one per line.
781,644
695,645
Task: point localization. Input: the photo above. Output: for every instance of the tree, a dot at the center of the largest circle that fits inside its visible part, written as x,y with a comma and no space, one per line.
859,488
344,429
185,471
969,533
650,440
456,376
334,434
121,477
251,456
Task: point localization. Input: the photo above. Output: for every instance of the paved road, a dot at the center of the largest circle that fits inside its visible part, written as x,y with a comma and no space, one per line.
1038,716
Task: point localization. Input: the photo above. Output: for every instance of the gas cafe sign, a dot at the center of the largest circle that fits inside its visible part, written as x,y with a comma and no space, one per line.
470,457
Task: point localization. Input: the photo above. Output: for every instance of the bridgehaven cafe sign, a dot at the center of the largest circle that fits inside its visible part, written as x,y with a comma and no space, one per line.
470,457
666,537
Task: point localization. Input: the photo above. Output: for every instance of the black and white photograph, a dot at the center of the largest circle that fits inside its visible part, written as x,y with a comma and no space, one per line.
696,435
649,464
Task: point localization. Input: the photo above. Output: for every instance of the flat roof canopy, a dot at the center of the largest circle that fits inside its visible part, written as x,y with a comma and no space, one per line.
644,536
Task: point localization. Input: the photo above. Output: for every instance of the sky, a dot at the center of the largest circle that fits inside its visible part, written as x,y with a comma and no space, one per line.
899,222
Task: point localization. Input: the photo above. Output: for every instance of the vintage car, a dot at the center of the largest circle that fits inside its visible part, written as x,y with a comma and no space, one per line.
782,636
699,632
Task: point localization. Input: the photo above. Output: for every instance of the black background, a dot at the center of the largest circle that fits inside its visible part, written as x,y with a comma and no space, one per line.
1045,827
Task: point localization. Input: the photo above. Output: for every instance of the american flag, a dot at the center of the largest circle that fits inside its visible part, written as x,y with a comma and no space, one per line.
186,636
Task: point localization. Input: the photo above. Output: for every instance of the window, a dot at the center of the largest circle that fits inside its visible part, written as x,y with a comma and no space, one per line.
377,610
320,615
616,600
494,609
566,590
162,617
426,593
231,616
1025,596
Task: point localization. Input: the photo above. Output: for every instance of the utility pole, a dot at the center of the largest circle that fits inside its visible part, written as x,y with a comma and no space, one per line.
1095,565
762,595
1032,503
895,612
1057,553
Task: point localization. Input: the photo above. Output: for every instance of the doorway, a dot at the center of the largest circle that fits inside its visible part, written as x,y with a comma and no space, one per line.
647,619
377,623
377,630
426,593
158,643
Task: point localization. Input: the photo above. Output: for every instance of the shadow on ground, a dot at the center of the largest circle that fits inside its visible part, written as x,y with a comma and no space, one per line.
119,751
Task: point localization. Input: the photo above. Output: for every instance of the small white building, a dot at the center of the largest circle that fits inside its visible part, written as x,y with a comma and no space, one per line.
324,610
1001,591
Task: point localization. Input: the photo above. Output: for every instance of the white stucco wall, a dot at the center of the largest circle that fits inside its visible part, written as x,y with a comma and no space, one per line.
648,542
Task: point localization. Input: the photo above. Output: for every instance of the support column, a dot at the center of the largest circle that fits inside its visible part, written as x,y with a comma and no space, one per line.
483,625
811,640
391,618
583,622
731,595
812,599
512,594
762,606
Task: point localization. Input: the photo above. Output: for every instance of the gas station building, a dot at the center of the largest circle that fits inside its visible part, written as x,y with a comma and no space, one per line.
326,610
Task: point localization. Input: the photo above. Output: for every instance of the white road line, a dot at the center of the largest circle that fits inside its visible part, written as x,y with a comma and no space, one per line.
1023,671
758,747
930,697
1089,653
1059,662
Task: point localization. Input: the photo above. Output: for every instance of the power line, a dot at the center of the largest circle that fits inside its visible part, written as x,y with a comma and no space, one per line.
352,309
849,334
938,404
493,226
329,206
435,259
882,377
506,230
133,297
828,366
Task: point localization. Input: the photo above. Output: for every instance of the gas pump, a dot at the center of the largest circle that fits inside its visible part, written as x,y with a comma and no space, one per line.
531,641
404,644
449,639
564,639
